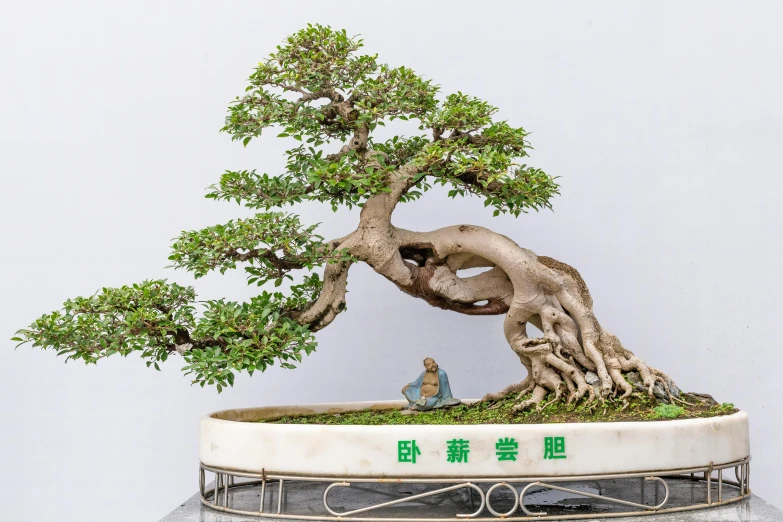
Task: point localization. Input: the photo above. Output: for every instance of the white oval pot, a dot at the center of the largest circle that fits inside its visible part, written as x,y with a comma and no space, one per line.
229,442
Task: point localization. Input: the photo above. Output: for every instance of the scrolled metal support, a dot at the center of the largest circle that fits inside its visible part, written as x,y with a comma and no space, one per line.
513,492
591,495
406,499
226,479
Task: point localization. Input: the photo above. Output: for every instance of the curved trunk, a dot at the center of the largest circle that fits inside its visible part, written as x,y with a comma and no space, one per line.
542,291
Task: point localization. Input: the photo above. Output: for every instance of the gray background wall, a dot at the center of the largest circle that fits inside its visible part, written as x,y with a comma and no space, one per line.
664,120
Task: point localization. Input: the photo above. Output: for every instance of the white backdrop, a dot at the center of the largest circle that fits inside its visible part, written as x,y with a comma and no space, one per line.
664,120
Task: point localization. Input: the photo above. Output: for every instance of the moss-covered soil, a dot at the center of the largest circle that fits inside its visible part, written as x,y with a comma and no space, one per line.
640,408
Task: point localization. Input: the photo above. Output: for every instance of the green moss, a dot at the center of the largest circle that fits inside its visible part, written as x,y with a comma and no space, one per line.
668,411
640,407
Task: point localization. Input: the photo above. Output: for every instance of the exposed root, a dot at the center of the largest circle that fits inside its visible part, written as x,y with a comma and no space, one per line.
573,344
525,391
539,393
683,402
558,394
522,387
552,373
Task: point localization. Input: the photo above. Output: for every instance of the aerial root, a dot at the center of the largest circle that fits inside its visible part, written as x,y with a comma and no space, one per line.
682,401
558,394
620,383
569,351
524,391
539,394
572,393
557,371
523,388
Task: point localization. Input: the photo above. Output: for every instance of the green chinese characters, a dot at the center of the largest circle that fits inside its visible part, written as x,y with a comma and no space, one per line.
457,450
506,449
554,448
407,450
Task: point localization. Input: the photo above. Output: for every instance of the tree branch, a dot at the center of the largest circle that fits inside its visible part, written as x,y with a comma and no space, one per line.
331,300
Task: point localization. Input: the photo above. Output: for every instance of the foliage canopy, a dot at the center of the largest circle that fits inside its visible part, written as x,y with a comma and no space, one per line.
316,90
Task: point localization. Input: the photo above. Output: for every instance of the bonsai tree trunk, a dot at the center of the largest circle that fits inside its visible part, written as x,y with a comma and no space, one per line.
528,288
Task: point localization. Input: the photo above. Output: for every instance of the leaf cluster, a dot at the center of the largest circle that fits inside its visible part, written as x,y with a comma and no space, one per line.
155,319
317,88
320,64
151,317
475,155
272,243
251,336
345,180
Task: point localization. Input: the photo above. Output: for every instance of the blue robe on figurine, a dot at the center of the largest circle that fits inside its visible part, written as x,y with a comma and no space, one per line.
441,398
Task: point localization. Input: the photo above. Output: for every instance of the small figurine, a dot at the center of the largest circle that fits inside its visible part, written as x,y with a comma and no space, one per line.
431,390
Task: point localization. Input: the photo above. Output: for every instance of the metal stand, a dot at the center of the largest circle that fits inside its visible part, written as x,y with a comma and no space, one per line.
518,488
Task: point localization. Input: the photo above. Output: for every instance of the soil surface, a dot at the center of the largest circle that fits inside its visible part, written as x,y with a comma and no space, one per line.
639,407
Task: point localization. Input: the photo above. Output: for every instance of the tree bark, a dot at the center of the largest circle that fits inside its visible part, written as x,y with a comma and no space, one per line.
528,288
542,291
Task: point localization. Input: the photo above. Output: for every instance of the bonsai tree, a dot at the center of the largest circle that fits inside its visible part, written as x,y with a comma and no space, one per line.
319,92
